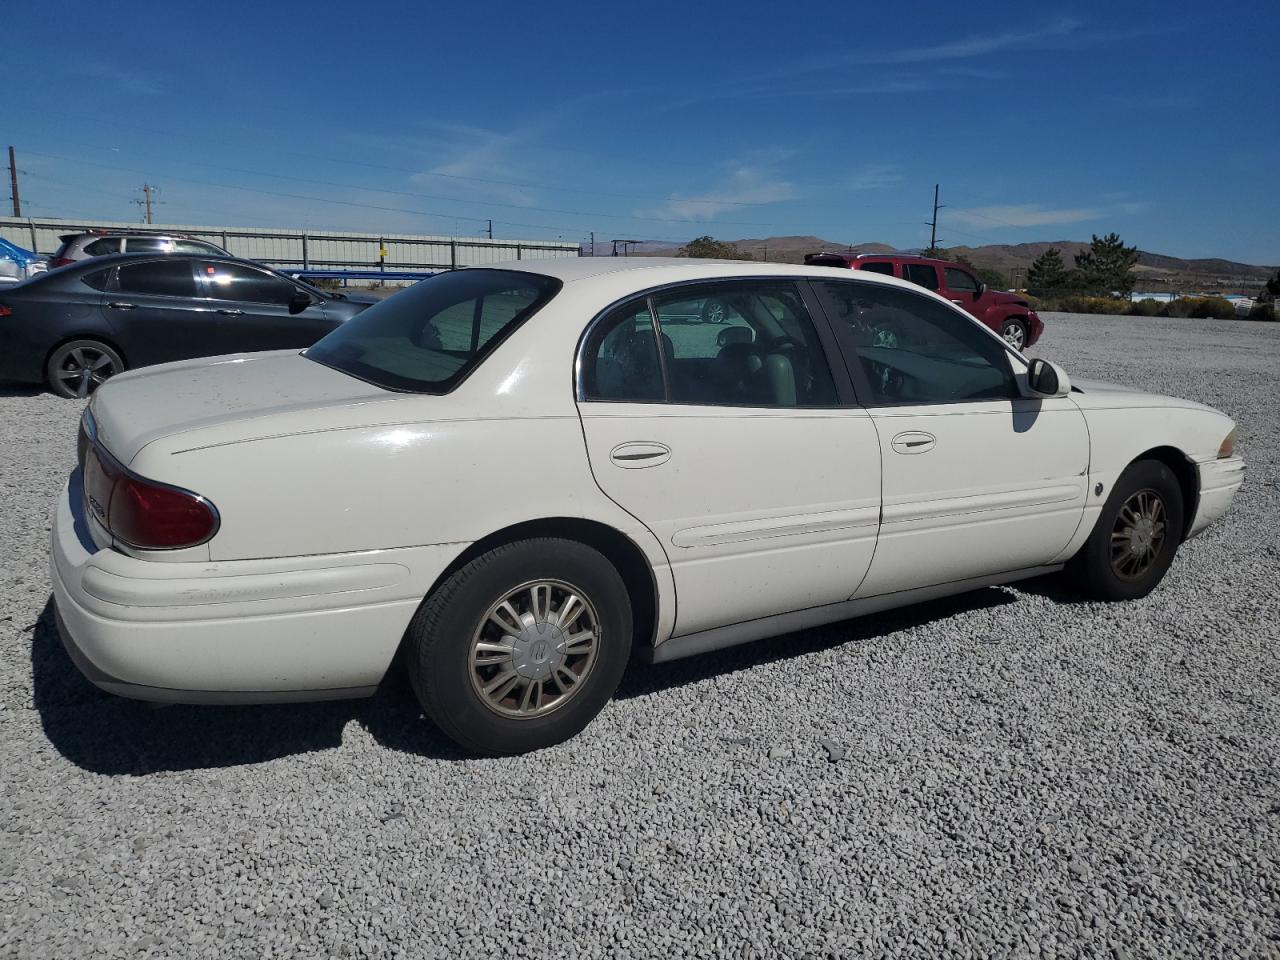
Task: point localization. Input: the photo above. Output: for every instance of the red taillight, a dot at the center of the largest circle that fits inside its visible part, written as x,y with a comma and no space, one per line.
5,311
142,513
59,262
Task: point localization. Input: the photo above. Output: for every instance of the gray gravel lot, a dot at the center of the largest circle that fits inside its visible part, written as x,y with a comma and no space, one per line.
1011,773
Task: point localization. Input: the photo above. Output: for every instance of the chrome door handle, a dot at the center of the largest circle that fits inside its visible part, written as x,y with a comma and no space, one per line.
637,454
231,313
116,305
914,441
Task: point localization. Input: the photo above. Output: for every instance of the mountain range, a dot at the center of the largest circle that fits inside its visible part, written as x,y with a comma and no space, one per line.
1156,269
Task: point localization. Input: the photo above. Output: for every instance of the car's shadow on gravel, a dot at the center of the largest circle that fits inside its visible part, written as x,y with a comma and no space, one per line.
643,678
107,734
10,389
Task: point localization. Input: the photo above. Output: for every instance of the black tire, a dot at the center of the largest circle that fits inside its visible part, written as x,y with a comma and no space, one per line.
1097,572
78,367
440,637
1015,333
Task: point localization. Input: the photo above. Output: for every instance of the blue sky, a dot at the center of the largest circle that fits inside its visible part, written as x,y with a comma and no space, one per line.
660,121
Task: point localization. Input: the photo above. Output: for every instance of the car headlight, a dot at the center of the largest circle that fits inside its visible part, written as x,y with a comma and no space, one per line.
1228,445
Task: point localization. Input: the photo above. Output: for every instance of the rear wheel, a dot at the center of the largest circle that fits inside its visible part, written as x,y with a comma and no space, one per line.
1014,332
78,367
522,647
1136,536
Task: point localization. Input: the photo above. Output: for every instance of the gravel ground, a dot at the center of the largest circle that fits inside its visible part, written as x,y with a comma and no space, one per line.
1011,773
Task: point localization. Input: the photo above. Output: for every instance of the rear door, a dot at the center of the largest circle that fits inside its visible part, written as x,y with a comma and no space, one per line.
154,308
735,444
253,309
922,274
978,480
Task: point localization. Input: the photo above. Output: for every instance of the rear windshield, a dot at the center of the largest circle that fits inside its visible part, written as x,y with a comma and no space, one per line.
429,337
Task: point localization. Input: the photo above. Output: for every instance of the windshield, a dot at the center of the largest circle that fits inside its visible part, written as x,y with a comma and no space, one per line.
429,337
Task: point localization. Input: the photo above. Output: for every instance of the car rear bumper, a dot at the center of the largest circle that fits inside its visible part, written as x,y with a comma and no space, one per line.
249,631
1219,481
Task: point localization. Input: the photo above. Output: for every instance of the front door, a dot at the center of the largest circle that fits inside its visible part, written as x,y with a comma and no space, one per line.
253,309
978,480
731,442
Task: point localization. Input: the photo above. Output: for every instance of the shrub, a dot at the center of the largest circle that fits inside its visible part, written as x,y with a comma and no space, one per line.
1177,309
1263,311
1213,308
1146,307
1094,305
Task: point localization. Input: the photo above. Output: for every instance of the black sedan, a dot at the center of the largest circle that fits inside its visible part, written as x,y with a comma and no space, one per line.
74,327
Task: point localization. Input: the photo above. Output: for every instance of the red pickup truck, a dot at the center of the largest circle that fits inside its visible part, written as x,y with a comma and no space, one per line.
1005,313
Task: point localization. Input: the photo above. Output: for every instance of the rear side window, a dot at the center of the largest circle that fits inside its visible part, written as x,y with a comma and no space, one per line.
99,279
921,273
149,245
196,246
960,280
885,268
621,360
231,281
429,337
161,278
104,246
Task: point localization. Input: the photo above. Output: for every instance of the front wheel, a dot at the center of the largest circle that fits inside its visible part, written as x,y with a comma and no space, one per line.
1014,332
522,647
1136,536
79,367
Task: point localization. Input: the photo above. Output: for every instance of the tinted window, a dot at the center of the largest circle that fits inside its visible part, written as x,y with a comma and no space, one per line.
232,281
165,278
148,245
104,246
746,343
196,246
960,280
885,268
912,349
620,358
430,336
921,273
99,279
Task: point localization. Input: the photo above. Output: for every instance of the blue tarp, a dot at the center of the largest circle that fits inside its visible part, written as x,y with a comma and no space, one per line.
11,251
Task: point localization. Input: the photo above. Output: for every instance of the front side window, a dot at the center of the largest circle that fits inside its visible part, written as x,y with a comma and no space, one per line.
231,281
161,278
913,350
922,274
960,281
429,337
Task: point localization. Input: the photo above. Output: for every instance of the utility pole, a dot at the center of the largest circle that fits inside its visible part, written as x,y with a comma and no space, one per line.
593,243
933,224
146,200
490,229
13,184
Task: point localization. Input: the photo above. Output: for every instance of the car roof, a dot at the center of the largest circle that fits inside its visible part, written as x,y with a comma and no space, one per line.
129,232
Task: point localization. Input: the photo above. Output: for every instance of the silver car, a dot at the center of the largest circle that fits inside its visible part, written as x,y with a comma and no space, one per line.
82,246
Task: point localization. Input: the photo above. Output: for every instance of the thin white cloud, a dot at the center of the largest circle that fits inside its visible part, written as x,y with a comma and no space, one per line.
745,184
1021,215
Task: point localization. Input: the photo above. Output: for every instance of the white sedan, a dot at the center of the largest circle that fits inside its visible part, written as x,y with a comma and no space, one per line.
518,476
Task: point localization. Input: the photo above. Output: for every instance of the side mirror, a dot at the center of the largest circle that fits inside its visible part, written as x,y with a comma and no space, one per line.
982,288
299,301
1045,379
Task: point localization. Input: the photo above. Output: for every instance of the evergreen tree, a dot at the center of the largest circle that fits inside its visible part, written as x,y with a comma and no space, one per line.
1271,292
1107,266
1047,273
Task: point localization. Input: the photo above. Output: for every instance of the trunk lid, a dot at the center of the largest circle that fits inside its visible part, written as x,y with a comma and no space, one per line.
137,407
